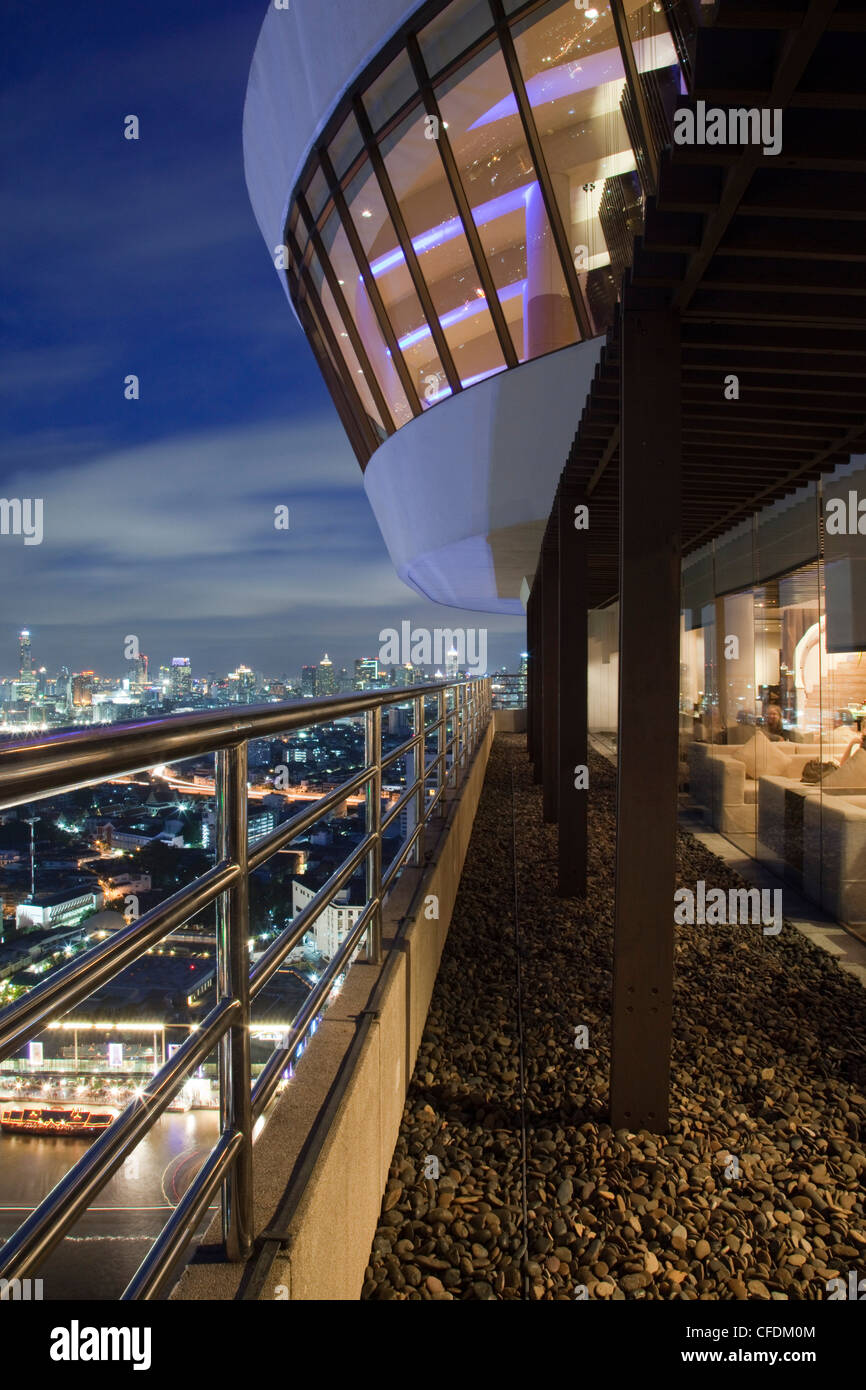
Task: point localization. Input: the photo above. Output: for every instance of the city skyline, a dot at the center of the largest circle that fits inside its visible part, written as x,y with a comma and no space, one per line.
10,670
159,513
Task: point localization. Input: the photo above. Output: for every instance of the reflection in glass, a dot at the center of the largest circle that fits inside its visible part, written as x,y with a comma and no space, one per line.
388,264
573,72
432,221
500,182
337,247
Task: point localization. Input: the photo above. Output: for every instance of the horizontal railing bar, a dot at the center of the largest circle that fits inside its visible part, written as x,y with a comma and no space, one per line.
404,748
262,850
75,982
289,938
83,757
434,800
401,802
180,1228
45,1227
268,1079
397,862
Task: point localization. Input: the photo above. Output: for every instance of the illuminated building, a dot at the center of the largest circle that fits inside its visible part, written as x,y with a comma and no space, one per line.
332,926
241,685
325,682
56,910
366,672
82,689
181,677
26,674
308,681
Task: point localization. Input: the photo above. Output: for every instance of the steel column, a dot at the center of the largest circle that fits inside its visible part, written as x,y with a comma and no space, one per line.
647,770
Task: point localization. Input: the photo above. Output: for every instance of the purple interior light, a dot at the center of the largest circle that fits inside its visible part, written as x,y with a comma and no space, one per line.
565,80
582,74
465,311
500,206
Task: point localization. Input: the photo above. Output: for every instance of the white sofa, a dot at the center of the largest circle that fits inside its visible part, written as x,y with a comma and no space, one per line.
834,854
719,784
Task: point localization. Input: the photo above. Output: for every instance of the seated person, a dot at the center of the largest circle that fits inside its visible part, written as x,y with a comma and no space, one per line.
773,726
857,741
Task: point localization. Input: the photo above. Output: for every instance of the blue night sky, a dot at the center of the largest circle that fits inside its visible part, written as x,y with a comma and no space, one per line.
144,257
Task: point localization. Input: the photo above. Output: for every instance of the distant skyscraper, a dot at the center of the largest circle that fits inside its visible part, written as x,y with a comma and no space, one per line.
25,656
181,676
452,663
26,674
137,668
242,684
325,682
366,672
308,681
82,689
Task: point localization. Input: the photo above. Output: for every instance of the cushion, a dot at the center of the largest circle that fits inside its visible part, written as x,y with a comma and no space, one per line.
763,758
852,773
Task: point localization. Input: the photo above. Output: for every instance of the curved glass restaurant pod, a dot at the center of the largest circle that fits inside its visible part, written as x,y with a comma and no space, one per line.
471,202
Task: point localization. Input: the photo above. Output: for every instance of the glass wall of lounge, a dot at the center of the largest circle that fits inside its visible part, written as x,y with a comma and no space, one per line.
471,202
773,689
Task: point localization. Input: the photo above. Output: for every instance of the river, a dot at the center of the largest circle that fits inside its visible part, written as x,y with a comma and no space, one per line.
105,1247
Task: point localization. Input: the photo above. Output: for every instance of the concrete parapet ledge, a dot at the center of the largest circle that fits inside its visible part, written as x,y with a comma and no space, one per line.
321,1162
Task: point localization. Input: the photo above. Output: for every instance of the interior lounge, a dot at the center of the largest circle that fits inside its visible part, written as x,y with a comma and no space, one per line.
773,694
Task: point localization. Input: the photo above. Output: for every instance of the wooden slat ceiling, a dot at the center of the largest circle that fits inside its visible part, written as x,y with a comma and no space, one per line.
765,258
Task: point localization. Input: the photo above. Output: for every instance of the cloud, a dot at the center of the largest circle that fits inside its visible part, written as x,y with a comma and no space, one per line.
174,540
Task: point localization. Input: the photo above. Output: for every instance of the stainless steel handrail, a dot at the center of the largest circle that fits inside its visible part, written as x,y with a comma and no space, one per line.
58,763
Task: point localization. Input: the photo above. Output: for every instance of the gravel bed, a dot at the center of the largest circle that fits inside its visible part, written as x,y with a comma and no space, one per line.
756,1191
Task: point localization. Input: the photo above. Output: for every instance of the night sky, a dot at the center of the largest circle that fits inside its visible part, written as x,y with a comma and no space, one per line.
144,257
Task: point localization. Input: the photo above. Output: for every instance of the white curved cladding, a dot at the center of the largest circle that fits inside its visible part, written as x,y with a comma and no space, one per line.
306,56
480,463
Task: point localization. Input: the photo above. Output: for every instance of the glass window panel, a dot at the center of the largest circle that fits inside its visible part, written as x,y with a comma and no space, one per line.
317,193
433,223
788,681
451,32
572,68
654,49
346,145
391,90
353,366
394,282
337,246
484,129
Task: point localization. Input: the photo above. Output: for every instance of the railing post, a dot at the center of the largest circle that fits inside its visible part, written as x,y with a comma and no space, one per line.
455,734
233,981
373,799
420,760
441,744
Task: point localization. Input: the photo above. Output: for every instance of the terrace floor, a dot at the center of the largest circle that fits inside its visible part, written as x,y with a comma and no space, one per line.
506,1182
